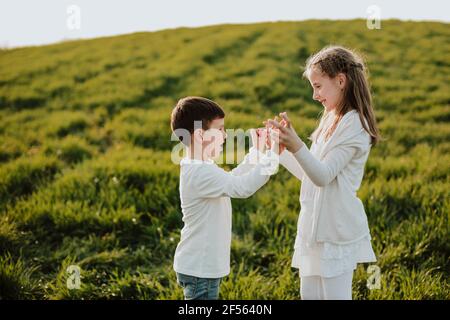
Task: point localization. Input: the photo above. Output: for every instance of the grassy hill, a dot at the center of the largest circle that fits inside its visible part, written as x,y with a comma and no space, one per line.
86,176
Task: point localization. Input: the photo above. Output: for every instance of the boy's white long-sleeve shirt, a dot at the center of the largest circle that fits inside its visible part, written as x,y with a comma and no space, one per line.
205,192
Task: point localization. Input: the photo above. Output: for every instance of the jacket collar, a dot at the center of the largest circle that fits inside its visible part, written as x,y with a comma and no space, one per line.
337,136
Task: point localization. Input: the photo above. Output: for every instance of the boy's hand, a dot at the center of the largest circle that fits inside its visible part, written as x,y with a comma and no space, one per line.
273,138
268,144
259,139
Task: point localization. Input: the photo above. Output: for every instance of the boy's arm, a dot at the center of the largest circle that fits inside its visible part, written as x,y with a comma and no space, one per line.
251,159
255,153
214,182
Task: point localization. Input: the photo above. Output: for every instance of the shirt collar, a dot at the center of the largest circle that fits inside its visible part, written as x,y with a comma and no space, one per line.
187,160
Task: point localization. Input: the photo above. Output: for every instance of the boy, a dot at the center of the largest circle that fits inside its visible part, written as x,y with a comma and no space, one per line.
202,257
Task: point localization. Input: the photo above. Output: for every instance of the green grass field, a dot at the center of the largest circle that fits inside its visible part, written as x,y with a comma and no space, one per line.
86,177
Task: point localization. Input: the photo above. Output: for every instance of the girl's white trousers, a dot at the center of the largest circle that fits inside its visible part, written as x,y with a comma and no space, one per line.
320,288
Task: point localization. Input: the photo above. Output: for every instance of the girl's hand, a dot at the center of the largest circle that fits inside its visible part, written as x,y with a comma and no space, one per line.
287,135
276,146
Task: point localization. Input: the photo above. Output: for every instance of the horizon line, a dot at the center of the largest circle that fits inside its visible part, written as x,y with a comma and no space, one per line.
4,47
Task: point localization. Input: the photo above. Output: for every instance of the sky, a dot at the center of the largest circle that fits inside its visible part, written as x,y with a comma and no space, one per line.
30,22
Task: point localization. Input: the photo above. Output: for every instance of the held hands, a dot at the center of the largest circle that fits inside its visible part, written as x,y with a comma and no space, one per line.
266,138
272,137
276,136
283,134
259,139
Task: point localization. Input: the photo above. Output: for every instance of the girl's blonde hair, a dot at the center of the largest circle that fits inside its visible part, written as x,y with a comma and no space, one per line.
331,61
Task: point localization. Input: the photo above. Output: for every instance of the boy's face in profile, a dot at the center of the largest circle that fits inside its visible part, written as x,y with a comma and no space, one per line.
212,140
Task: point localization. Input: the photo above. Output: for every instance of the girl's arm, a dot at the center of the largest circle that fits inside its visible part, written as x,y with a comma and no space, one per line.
323,172
319,172
288,161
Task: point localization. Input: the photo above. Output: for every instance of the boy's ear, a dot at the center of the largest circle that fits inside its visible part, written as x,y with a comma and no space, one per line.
198,135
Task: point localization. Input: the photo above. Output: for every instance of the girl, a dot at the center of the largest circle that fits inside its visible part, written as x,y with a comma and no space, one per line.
333,233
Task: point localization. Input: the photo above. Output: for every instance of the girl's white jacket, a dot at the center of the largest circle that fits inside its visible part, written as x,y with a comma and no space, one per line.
339,215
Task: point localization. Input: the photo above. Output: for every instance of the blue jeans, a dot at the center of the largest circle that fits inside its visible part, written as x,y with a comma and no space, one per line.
199,288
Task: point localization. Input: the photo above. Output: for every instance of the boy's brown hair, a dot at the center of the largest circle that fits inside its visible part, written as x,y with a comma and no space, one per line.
191,109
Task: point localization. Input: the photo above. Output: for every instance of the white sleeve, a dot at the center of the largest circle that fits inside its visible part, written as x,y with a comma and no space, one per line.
323,172
288,161
213,182
251,159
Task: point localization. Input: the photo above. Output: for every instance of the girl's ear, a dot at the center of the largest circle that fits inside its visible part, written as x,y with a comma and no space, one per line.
341,80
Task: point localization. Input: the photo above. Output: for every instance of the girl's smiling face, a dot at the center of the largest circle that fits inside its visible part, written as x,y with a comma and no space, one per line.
328,91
